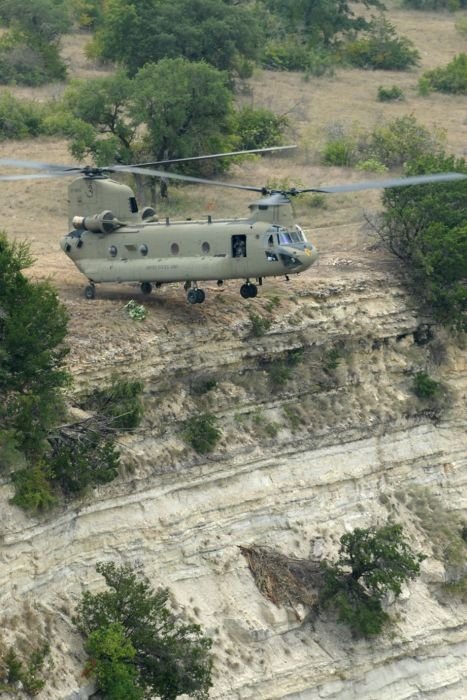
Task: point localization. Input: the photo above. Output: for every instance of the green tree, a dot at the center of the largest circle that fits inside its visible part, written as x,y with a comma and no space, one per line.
381,48
29,52
425,227
321,21
33,326
94,115
451,78
186,107
136,645
372,562
135,33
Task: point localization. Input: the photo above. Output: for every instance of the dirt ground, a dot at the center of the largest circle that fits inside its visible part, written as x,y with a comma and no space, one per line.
36,210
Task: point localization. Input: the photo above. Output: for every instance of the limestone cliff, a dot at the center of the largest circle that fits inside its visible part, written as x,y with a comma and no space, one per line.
337,441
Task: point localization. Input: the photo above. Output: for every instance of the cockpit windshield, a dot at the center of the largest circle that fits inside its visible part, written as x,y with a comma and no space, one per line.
286,237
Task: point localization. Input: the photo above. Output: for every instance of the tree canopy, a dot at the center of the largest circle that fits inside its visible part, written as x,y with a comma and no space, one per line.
33,326
29,50
372,562
216,31
137,647
425,227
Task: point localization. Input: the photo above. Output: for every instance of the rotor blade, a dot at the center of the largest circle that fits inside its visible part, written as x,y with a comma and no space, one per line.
216,155
183,178
36,176
36,164
382,184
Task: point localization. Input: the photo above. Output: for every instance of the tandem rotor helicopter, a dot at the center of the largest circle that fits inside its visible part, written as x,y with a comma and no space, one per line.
111,240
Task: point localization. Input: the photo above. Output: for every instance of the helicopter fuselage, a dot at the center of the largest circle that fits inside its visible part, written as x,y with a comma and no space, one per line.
187,251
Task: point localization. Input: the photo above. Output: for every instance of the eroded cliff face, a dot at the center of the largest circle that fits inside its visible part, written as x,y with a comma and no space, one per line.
336,441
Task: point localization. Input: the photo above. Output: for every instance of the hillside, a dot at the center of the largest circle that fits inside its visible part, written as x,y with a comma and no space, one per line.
299,463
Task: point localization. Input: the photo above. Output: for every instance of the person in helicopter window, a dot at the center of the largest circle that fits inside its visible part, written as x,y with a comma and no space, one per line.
239,247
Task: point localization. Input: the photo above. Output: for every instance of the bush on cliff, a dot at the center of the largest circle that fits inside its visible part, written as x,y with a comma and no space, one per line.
372,563
137,647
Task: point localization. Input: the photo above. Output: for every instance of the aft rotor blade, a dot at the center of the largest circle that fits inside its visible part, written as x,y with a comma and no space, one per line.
216,155
36,176
38,165
383,184
183,178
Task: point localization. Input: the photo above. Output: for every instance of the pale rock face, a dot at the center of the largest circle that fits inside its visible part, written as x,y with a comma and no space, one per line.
357,445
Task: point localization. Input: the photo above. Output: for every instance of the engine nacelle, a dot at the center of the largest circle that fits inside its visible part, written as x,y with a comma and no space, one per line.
105,222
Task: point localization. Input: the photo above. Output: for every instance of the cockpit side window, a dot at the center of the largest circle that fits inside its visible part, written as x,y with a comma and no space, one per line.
284,238
133,205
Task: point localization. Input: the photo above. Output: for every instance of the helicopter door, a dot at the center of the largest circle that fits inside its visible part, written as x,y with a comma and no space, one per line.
239,246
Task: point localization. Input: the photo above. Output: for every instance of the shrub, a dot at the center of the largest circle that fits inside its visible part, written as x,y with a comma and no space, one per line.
259,324
403,139
203,385
19,119
451,5
452,78
137,647
33,490
289,54
120,402
75,467
279,373
29,61
259,128
424,386
202,432
372,563
388,145
390,94
339,151
30,676
382,48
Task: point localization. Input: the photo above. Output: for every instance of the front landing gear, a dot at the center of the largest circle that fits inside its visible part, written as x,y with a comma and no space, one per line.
248,290
90,291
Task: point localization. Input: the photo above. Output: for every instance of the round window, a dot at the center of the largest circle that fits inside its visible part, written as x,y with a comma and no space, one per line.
113,250
174,249
143,249
205,247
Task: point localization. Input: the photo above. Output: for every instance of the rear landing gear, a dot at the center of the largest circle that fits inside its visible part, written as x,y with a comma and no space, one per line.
90,291
146,287
248,290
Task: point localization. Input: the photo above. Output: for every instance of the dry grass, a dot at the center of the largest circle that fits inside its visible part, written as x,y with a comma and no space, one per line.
37,210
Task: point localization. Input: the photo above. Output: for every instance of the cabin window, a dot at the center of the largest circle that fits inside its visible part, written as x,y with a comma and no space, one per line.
133,205
113,250
205,247
143,249
174,249
239,246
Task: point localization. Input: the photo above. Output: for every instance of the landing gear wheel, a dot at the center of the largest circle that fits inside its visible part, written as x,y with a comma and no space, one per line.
248,290
244,291
200,296
192,296
146,287
90,292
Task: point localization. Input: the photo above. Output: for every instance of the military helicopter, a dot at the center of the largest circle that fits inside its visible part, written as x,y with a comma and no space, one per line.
110,240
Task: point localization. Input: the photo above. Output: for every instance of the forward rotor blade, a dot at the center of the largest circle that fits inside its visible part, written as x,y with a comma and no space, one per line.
216,155
383,184
183,178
